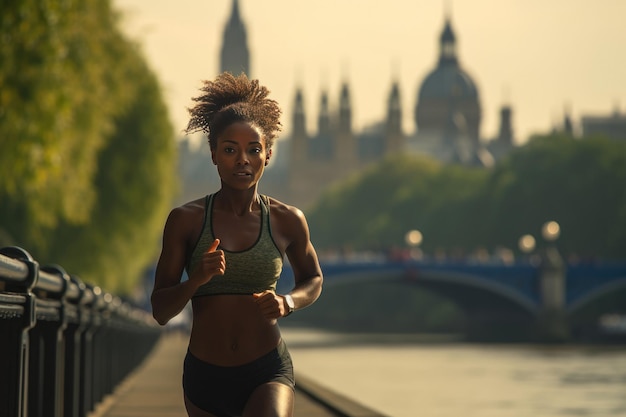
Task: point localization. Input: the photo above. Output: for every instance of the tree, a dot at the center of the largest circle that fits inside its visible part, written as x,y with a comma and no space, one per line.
87,150
135,182
577,182
403,192
55,110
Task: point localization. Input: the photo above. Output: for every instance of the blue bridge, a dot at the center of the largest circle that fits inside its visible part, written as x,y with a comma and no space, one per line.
545,299
67,344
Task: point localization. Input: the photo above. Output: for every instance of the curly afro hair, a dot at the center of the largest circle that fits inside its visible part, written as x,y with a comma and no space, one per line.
230,99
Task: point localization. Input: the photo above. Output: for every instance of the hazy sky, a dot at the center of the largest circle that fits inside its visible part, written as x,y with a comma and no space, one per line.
540,56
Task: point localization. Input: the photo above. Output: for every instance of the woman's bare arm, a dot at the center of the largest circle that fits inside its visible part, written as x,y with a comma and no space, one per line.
307,272
170,295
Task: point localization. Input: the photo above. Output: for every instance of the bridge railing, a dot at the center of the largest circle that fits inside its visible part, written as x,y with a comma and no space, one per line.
64,344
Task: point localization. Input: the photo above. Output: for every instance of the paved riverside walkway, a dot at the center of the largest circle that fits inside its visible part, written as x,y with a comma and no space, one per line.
154,389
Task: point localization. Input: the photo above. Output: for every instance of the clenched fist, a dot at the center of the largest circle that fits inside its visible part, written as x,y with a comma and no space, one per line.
212,263
271,304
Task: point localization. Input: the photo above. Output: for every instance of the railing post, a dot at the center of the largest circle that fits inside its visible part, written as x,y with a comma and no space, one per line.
47,345
65,345
87,360
18,302
54,345
553,324
101,349
76,325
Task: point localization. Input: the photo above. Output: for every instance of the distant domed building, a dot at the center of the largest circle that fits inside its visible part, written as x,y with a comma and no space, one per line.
448,111
447,117
446,90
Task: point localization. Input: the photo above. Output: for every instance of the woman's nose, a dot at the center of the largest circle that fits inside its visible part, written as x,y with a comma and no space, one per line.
242,159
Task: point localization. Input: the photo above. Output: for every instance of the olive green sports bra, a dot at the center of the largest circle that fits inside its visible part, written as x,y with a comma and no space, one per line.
249,271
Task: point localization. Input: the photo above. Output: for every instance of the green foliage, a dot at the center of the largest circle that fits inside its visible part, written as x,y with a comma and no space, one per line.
86,150
403,192
578,183
56,103
135,180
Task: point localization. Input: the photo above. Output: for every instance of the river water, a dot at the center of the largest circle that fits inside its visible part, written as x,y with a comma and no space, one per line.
409,376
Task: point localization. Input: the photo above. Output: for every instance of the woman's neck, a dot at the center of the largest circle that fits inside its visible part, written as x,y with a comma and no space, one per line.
236,201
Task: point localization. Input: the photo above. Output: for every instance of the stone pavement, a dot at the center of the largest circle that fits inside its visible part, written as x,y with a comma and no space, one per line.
154,389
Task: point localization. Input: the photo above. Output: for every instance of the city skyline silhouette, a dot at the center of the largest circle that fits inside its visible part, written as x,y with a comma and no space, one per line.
544,60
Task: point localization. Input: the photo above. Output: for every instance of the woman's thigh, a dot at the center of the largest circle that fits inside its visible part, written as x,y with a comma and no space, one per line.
271,399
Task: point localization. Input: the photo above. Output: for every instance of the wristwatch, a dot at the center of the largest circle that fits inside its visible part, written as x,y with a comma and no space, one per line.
290,305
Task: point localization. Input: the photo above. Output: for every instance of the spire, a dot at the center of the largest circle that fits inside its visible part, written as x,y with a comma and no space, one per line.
394,110
568,126
345,110
299,138
447,44
323,124
394,138
234,15
235,56
344,146
299,118
505,136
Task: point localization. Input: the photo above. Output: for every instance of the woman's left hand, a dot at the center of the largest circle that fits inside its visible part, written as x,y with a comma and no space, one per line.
271,304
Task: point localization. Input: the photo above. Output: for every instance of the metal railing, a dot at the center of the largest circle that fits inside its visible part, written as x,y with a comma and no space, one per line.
64,344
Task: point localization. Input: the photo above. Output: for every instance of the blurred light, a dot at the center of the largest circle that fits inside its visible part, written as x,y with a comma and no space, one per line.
550,231
526,243
413,238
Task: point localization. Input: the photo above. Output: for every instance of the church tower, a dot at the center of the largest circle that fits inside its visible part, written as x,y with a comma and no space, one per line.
394,138
346,150
505,134
235,56
321,146
299,138
502,144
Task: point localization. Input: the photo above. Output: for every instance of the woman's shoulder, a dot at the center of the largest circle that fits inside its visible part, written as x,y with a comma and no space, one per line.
283,209
189,212
194,205
287,218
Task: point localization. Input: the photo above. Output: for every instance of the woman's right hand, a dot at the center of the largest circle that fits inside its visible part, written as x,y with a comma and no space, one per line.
212,263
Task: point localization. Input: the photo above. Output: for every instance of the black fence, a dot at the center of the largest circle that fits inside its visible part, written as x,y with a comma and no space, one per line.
64,344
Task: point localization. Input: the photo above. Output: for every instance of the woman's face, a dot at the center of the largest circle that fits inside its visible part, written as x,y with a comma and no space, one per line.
241,155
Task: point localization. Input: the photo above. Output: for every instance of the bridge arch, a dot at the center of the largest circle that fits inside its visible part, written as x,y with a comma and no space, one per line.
469,291
489,307
498,296
584,312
